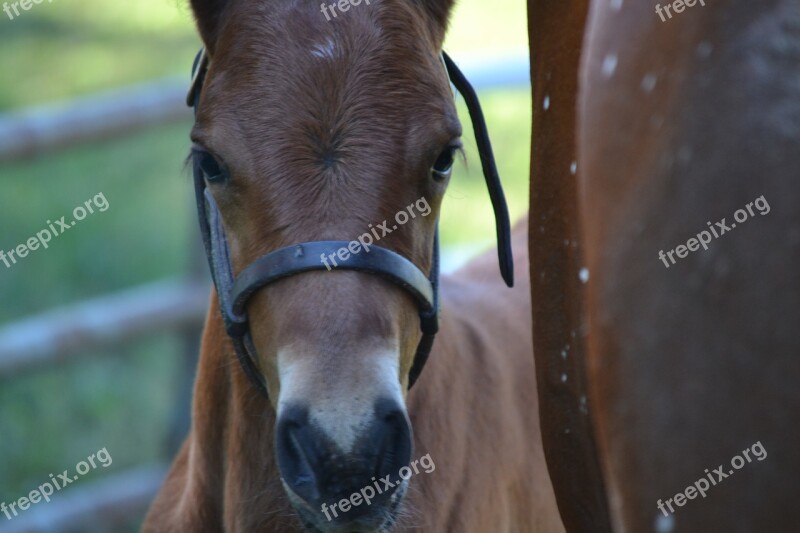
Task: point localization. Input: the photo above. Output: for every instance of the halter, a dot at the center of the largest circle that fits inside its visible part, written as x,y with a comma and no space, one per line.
235,292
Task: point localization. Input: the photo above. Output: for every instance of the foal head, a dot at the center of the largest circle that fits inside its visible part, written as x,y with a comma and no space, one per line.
313,129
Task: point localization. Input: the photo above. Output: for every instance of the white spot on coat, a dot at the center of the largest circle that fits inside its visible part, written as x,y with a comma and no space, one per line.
704,50
656,121
546,103
609,65
583,275
649,82
665,524
684,155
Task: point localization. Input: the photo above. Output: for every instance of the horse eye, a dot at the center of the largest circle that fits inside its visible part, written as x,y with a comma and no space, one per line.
443,166
209,165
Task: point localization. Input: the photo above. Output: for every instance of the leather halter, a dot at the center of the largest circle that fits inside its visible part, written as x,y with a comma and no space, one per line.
235,292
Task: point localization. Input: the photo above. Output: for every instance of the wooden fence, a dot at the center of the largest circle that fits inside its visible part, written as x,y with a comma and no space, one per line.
72,331
42,129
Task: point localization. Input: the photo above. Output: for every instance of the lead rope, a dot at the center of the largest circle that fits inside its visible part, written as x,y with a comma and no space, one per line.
490,174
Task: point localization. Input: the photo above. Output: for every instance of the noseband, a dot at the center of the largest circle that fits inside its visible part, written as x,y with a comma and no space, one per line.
234,292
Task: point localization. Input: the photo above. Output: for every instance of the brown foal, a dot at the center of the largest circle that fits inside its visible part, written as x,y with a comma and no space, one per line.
312,129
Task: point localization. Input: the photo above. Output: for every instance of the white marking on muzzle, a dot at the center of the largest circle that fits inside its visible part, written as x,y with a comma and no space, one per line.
341,406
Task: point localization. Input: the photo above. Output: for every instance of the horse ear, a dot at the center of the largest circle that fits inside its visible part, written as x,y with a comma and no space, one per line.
208,14
439,10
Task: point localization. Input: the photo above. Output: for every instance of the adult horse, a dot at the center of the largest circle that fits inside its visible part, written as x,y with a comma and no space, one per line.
656,132
309,128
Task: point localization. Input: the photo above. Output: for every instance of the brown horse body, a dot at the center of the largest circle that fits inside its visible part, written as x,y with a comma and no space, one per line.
673,125
556,34
316,129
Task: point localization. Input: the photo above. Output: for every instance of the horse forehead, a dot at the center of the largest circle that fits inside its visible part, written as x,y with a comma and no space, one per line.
332,109
278,57
293,40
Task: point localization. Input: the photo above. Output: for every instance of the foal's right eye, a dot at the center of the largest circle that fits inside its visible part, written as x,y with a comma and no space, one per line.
443,166
213,171
444,163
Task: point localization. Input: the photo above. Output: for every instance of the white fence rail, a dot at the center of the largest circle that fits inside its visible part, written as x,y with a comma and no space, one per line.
42,129
74,330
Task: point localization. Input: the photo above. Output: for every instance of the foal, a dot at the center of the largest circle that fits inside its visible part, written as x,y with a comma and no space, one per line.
309,129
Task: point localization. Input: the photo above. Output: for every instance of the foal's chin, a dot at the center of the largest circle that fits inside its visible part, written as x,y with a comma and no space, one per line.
379,517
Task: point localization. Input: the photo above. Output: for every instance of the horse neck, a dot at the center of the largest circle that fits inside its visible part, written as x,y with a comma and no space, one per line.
232,442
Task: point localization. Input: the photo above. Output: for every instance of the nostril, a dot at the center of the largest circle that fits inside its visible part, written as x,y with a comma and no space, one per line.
305,473
295,461
395,445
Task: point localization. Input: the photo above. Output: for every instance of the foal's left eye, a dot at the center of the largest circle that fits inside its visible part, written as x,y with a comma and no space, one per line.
208,164
443,166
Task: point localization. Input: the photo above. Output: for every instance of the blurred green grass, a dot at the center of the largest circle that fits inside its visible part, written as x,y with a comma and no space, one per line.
124,399
72,47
